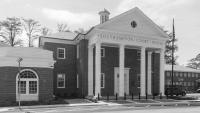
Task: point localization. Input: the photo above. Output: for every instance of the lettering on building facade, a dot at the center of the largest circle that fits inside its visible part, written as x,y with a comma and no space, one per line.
124,38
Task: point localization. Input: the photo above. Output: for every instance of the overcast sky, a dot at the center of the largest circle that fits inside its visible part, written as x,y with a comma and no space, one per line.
84,14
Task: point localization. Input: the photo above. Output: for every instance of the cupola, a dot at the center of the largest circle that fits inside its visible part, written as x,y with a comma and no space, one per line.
104,16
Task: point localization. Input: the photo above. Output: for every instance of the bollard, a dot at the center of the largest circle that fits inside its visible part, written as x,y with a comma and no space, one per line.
167,96
153,96
98,97
146,96
160,95
116,96
107,96
139,96
132,96
124,96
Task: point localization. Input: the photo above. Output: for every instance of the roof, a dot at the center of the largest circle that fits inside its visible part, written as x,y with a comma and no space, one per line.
180,68
62,35
3,45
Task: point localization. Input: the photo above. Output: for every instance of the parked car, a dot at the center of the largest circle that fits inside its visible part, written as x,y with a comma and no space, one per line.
176,91
198,90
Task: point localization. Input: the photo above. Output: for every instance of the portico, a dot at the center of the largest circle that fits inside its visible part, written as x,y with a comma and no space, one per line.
131,31
122,42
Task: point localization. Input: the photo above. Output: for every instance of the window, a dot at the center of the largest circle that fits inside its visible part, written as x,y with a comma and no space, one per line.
102,80
185,83
138,55
196,74
22,87
181,74
61,81
192,74
176,73
61,53
102,52
77,51
188,83
32,87
192,84
138,80
185,74
189,74
77,81
28,85
168,73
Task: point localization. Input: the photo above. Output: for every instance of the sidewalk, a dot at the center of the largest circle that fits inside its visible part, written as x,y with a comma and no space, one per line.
136,102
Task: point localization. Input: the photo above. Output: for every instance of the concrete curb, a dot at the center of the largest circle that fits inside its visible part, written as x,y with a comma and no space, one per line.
104,103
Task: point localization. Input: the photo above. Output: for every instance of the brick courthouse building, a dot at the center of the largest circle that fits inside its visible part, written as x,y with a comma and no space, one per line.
124,54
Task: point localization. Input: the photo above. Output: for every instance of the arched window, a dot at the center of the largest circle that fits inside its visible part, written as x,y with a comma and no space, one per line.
28,85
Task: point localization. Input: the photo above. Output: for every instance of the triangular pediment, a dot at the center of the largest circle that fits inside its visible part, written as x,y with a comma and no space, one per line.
144,25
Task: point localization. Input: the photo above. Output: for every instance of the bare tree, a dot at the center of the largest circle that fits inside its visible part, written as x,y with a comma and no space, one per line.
63,28
45,31
32,30
80,30
9,30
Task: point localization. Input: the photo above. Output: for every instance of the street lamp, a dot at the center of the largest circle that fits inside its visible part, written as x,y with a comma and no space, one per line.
19,84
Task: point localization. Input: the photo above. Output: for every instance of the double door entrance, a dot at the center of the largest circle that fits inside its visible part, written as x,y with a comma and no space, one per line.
126,80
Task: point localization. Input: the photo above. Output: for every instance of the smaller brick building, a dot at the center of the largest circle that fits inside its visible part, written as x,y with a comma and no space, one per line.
36,75
185,78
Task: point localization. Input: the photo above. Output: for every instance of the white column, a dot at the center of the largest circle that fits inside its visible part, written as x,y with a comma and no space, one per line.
149,73
90,70
142,72
121,70
162,78
98,70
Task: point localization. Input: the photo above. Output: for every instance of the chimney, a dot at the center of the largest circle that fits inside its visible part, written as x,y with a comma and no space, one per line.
104,16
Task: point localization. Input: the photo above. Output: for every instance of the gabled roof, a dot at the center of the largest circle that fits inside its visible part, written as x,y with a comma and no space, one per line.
62,35
138,12
180,68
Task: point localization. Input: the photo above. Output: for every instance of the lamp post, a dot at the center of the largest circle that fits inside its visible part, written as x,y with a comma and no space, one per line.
19,82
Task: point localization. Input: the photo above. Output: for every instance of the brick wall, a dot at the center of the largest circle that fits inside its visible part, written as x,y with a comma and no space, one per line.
111,60
8,83
82,68
65,66
71,66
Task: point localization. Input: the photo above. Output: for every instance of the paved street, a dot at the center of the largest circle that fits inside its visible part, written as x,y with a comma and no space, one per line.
153,106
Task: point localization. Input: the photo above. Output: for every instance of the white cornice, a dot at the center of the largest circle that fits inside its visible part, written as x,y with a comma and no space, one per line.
12,62
131,35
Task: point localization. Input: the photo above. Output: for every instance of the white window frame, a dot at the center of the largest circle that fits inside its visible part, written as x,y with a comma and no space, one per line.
138,55
77,51
57,81
58,53
27,96
77,81
103,51
102,74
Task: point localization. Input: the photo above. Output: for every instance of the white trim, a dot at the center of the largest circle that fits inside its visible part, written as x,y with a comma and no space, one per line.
58,53
57,81
138,11
103,74
103,50
27,96
116,71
